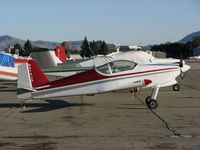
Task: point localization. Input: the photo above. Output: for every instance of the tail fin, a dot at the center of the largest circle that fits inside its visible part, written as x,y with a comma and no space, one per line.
30,76
60,53
50,58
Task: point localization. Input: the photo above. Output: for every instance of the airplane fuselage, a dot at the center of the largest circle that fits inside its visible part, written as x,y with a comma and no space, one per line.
96,81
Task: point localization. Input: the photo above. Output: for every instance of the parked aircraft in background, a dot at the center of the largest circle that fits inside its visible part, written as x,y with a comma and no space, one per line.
8,66
136,56
50,58
115,75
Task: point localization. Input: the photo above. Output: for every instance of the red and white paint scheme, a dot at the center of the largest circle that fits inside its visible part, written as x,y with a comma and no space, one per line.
120,74
60,53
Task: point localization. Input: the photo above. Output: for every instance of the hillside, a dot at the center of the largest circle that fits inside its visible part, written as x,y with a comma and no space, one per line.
6,41
189,37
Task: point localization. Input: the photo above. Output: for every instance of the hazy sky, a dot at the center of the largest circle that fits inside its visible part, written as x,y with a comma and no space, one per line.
133,22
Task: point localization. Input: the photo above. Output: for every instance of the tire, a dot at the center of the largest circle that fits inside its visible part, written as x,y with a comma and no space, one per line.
152,104
147,100
176,87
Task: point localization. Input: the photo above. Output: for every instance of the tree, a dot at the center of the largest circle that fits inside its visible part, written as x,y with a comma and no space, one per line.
196,41
27,48
175,50
190,47
94,47
67,51
103,48
75,51
39,49
85,49
17,46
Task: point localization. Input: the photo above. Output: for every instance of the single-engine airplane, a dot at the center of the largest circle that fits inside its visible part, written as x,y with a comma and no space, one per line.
115,75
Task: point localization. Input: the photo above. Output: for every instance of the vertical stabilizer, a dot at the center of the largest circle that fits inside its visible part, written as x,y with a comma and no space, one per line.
30,76
60,53
36,75
24,80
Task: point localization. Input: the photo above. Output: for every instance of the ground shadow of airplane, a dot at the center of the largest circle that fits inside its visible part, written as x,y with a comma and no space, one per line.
43,107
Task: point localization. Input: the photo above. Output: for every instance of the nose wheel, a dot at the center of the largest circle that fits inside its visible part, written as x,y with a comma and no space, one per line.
151,103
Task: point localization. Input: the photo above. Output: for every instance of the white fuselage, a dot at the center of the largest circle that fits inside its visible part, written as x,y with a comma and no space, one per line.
160,75
8,73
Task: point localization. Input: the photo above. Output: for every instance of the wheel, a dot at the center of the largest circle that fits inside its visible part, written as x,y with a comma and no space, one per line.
176,87
152,104
147,99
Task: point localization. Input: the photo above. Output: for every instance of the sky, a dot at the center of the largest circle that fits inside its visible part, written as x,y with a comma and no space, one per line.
127,22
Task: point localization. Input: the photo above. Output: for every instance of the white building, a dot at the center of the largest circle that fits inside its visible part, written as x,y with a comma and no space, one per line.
134,47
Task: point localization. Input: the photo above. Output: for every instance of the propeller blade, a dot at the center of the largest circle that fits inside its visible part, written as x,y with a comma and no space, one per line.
181,61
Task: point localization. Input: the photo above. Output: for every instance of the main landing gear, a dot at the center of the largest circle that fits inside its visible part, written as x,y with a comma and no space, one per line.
151,101
176,87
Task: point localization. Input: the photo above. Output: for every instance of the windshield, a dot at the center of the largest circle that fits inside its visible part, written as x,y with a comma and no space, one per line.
117,66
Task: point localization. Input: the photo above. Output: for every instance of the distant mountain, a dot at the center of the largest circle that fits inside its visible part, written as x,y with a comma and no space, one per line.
7,41
189,37
76,44
183,40
147,47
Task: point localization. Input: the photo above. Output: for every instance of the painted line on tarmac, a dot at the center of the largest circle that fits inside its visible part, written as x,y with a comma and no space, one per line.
5,113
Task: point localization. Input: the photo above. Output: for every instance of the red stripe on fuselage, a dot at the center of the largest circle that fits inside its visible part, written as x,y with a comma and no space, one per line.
19,61
8,74
90,76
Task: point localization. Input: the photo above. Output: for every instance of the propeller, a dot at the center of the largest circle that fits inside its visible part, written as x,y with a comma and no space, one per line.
181,61
181,65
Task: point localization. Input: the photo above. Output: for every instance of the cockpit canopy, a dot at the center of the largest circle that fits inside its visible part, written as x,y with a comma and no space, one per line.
117,66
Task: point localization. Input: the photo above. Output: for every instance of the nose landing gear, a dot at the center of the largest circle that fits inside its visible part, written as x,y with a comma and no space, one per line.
152,104
151,101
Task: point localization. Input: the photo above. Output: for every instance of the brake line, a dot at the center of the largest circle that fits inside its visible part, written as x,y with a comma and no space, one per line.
171,129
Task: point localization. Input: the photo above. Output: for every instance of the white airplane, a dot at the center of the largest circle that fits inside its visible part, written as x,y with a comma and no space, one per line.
8,66
115,75
136,56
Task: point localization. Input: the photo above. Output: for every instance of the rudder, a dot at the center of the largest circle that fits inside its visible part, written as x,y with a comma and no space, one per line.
30,76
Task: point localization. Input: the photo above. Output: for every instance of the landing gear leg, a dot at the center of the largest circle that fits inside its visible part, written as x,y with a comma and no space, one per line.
134,90
151,101
23,104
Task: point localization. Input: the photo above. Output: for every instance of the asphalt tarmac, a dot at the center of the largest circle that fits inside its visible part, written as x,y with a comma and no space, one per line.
104,122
